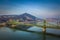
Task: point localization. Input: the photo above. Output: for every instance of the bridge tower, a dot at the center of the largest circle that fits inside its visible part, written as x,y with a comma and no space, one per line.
44,30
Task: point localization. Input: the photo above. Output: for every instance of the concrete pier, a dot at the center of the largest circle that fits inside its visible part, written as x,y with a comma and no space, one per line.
3,24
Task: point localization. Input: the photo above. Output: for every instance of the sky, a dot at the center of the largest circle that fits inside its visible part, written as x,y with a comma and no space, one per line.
38,8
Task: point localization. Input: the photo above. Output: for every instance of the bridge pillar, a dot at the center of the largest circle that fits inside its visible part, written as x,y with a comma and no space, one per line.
44,26
44,30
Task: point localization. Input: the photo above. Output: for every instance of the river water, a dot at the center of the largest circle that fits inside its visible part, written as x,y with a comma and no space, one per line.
15,34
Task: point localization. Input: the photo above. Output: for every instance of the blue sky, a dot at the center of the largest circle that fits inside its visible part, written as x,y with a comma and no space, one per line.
38,8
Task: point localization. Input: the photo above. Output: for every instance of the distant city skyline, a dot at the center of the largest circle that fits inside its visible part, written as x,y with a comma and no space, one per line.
38,8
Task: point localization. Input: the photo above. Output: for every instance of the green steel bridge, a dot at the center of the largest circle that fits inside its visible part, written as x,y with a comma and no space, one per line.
43,24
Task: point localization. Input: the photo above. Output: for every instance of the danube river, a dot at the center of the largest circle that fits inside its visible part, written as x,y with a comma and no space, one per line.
15,34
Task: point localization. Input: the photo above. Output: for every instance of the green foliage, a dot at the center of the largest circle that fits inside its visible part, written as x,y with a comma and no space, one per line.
13,22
